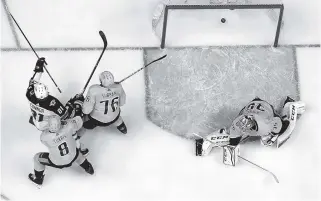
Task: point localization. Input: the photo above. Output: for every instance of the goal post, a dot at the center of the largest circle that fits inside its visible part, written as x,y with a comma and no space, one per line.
160,18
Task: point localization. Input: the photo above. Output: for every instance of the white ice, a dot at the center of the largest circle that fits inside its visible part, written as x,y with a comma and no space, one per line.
147,163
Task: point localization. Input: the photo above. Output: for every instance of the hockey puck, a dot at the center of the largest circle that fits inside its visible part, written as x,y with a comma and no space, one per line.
223,20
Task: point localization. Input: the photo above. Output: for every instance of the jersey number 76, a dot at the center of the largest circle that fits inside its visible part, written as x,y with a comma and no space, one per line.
114,104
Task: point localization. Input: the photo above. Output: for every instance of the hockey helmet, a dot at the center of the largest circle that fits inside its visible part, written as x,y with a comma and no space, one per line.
106,78
41,91
248,123
54,123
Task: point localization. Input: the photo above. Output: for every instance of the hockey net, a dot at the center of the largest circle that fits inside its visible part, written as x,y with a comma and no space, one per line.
272,8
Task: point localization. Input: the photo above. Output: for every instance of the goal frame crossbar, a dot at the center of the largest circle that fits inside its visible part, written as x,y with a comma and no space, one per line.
225,6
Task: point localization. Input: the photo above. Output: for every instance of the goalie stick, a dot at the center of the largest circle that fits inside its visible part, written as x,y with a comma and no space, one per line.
160,58
33,50
244,139
103,37
275,178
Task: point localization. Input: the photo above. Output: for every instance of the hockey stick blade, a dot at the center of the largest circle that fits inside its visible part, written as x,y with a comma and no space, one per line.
275,178
103,37
160,58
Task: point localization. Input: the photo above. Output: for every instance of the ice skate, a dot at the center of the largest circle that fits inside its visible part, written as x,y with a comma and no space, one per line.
37,181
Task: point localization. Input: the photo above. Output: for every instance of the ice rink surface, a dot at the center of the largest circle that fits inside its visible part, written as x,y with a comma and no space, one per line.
148,163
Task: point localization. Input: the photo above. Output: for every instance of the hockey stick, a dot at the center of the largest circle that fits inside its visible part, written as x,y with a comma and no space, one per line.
275,178
33,50
103,37
4,197
160,58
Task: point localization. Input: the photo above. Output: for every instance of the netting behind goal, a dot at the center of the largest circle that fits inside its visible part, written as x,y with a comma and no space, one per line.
272,8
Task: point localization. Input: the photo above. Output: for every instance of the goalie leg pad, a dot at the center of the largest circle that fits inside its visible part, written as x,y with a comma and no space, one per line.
300,106
203,147
198,147
217,139
207,148
230,154
293,112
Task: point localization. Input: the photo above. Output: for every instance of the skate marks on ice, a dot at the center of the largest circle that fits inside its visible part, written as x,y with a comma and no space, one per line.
198,90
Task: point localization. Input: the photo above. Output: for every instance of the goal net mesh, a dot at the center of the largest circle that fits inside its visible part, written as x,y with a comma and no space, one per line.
158,15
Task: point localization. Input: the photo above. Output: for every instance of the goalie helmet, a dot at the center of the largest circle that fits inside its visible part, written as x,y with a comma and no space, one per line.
41,91
247,123
106,78
54,123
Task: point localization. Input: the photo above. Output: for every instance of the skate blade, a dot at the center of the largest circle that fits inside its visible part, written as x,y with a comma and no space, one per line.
37,185
85,155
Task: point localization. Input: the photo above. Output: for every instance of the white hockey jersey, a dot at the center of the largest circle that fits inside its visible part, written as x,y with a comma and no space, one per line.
62,144
102,103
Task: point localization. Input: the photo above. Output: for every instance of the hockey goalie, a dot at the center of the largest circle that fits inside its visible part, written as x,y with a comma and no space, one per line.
257,118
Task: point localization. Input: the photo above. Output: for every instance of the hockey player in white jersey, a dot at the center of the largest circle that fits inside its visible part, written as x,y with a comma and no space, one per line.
41,103
60,139
103,102
258,118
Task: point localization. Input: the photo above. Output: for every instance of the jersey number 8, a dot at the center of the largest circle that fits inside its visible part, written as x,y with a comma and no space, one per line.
63,148
114,104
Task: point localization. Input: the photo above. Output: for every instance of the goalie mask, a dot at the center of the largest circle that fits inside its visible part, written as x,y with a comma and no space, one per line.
247,123
54,123
106,78
41,91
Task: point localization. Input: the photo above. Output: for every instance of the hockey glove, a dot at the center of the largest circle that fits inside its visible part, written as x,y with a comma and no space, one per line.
40,65
77,103
78,100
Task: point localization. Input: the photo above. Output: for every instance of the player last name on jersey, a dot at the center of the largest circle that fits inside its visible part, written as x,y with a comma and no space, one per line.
36,108
107,95
60,138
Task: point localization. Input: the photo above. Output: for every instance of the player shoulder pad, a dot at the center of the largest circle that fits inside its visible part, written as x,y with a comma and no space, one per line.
76,122
52,101
44,135
117,87
94,88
